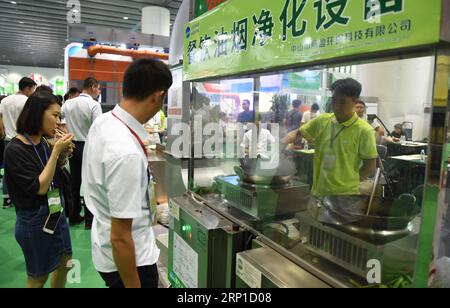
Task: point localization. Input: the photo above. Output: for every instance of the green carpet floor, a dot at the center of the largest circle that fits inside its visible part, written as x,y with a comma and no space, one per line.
12,264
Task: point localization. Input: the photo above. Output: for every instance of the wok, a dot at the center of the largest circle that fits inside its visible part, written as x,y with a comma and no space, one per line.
386,213
254,172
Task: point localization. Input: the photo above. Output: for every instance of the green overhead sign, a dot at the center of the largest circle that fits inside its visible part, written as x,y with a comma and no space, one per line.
241,35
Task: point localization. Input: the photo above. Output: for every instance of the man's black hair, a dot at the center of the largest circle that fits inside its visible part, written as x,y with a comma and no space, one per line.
315,106
72,91
60,100
347,87
44,89
361,103
144,77
89,83
30,119
26,82
296,103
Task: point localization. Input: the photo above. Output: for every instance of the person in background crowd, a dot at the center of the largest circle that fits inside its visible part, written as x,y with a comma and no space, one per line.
312,114
246,116
31,171
60,99
398,131
360,109
10,109
79,114
44,89
2,140
294,117
117,180
72,93
380,134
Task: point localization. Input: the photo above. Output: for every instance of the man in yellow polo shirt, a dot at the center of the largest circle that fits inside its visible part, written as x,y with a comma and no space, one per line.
345,145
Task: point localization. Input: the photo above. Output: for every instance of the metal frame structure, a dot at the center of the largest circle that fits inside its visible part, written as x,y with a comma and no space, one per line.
439,125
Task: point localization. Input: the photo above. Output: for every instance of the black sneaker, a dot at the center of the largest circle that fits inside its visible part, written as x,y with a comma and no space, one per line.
7,203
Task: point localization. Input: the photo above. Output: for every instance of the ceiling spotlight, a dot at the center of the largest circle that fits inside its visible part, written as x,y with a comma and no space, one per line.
75,11
21,22
13,2
125,17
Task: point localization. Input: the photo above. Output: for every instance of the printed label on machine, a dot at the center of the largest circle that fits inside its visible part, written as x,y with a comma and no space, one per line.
174,210
185,262
248,273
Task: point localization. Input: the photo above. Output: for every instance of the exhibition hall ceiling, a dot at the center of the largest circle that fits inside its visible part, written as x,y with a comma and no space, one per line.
34,32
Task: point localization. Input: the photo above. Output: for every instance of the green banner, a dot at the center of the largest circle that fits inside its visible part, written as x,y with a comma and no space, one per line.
309,80
242,36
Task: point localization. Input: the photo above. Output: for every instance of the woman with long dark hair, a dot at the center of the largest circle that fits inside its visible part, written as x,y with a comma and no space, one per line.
32,174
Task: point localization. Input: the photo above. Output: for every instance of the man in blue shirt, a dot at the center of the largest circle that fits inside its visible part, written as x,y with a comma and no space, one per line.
247,115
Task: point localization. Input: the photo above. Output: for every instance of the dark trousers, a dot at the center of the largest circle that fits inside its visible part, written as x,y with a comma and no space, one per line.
5,189
148,276
75,181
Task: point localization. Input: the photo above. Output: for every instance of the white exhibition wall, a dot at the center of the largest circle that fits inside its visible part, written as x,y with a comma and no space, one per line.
404,89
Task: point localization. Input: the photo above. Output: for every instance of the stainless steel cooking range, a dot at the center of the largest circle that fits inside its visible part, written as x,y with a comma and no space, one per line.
264,201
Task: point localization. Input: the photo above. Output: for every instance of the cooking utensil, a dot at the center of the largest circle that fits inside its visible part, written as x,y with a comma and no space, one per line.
252,171
374,188
385,213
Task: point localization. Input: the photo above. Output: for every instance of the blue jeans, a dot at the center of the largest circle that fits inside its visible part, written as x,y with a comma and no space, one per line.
42,251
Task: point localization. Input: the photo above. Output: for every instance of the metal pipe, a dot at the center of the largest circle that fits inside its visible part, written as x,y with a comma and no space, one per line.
135,54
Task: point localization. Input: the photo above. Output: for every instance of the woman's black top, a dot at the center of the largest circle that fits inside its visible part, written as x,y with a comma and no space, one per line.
22,170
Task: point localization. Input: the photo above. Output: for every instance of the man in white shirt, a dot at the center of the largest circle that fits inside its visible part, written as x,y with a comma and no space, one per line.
117,183
79,114
312,114
10,109
257,142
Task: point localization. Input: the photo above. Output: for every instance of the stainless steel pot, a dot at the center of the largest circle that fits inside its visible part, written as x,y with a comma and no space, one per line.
250,171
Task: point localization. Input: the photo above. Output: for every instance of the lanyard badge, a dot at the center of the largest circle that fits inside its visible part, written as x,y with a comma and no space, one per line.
53,195
54,201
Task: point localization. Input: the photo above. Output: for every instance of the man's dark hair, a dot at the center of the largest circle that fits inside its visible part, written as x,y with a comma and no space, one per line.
30,119
44,89
26,82
73,91
144,77
347,87
360,102
60,100
89,83
296,103
399,126
315,107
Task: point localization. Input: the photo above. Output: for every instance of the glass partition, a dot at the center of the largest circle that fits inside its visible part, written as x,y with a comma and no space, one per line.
334,184
439,274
